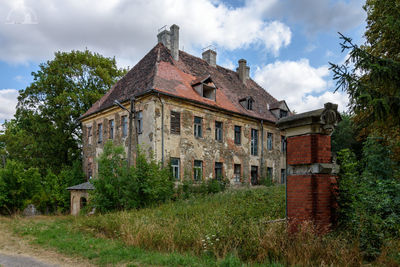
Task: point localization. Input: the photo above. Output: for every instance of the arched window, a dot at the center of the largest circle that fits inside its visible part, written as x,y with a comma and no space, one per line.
83,202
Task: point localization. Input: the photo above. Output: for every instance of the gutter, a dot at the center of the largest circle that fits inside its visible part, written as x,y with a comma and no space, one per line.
162,129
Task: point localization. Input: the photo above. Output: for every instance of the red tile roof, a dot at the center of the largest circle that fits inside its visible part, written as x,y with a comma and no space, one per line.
158,72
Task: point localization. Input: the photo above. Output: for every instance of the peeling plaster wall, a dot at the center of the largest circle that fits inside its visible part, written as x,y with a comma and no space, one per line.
189,148
185,145
76,196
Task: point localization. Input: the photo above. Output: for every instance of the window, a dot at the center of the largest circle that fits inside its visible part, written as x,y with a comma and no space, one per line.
283,176
283,144
175,122
111,125
218,131
218,171
270,173
100,133
124,123
269,141
198,127
238,134
236,173
254,175
250,104
89,171
139,122
254,142
198,170
175,165
282,113
89,131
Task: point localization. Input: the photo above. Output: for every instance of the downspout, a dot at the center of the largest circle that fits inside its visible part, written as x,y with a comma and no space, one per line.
262,148
162,129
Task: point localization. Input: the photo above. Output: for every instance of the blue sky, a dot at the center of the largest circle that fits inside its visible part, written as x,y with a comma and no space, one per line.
287,43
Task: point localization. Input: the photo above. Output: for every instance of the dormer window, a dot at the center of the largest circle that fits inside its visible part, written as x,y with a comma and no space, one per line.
247,102
205,87
283,113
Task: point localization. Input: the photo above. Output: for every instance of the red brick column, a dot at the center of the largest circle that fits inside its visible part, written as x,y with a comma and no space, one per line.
311,179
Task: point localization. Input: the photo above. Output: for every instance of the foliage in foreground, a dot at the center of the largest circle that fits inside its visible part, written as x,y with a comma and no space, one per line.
369,196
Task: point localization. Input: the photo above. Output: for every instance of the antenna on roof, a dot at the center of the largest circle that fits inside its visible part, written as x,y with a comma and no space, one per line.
210,47
163,27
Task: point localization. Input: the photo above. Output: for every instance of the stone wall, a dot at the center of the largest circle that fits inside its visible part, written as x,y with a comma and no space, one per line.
77,201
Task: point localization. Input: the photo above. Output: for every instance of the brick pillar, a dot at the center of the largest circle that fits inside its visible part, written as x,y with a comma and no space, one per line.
311,175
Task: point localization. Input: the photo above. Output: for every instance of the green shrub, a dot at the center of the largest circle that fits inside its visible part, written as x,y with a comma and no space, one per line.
369,197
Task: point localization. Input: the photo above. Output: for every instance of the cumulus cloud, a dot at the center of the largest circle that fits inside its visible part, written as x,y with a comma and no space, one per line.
8,102
319,15
128,29
301,85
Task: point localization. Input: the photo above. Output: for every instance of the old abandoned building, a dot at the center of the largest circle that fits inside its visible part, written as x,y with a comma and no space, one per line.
205,120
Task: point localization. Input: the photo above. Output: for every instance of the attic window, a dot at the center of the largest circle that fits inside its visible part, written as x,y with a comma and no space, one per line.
282,113
205,87
247,102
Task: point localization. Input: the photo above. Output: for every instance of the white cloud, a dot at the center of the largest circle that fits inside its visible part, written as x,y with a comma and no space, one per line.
8,102
301,85
128,29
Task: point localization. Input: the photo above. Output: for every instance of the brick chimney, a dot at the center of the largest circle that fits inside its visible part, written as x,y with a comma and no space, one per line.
210,56
170,40
243,70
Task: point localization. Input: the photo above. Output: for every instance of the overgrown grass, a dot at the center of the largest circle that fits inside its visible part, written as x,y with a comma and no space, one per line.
229,222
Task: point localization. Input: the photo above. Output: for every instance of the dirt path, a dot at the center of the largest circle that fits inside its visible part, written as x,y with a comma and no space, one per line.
15,251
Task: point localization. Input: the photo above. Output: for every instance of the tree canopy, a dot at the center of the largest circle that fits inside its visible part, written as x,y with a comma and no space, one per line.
371,74
46,132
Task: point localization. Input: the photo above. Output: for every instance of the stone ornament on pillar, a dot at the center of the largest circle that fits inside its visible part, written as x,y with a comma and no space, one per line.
311,174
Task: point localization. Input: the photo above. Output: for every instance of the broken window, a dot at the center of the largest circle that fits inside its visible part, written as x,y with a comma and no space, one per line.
269,141
124,123
283,176
238,134
236,173
218,171
111,125
198,132
175,122
175,165
250,104
254,142
100,133
198,170
218,131
205,87
283,144
283,113
269,173
139,122
254,175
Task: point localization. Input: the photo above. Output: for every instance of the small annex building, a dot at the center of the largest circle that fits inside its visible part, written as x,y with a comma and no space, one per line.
79,196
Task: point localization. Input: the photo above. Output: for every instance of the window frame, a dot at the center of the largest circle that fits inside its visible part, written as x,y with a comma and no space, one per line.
100,133
283,176
254,142
270,173
219,131
237,175
270,141
124,126
198,127
237,136
139,121
111,127
197,170
283,144
176,173
220,167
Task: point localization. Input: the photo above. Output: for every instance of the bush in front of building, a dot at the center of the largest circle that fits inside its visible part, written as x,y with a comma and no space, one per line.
119,187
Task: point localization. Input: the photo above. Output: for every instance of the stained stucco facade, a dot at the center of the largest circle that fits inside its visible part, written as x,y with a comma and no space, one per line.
185,146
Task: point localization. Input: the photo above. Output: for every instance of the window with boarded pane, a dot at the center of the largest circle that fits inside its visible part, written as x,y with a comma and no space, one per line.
238,135
218,131
175,122
139,122
236,172
175,165
254,142
198,131
111,132
99,132
218,171
198,170
124,123
269,141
